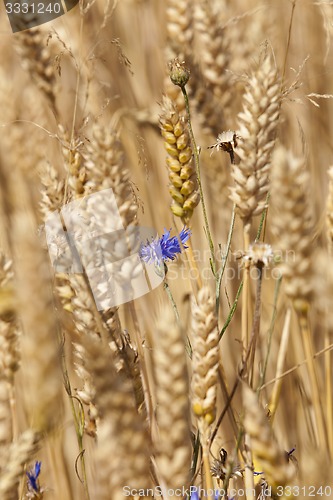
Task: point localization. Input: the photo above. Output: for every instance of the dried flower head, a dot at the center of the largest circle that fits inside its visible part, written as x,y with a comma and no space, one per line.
179,73
226,141
260,254
223,467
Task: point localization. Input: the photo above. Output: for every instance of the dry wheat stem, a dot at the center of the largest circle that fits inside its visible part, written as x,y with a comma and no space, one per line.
275,396
328,355
305,330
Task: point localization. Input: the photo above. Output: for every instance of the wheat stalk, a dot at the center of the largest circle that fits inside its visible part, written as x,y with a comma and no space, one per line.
257,129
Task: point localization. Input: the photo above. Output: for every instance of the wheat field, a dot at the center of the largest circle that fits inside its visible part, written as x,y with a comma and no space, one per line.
166,245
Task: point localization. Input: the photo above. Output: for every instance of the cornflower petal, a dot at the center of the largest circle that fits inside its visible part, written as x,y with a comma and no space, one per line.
164,248
33,477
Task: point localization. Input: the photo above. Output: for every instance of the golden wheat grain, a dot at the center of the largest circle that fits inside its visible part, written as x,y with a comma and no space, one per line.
53,190
205,359
73,162
184,186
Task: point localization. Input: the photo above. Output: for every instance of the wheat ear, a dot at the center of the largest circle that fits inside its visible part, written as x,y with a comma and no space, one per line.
205,362
213,47
293,226
20,452
123,444
267,455
183,180
172,397
257,129
40,350
36,58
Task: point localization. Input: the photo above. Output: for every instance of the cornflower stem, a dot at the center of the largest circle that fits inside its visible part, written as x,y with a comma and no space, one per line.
256,322
304,326
246,290
195,456
279,366
172,300
78,424
232,310
270,333
138,339
197,167
193,264
166,287
225,259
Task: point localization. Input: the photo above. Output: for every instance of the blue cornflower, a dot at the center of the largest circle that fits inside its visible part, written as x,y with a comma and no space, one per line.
33,483
164,248
195,495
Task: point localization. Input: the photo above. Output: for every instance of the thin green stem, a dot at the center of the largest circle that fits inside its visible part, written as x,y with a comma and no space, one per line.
262,219
232,310
197,166
288,41
225,259
78,424
166,287
270,333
